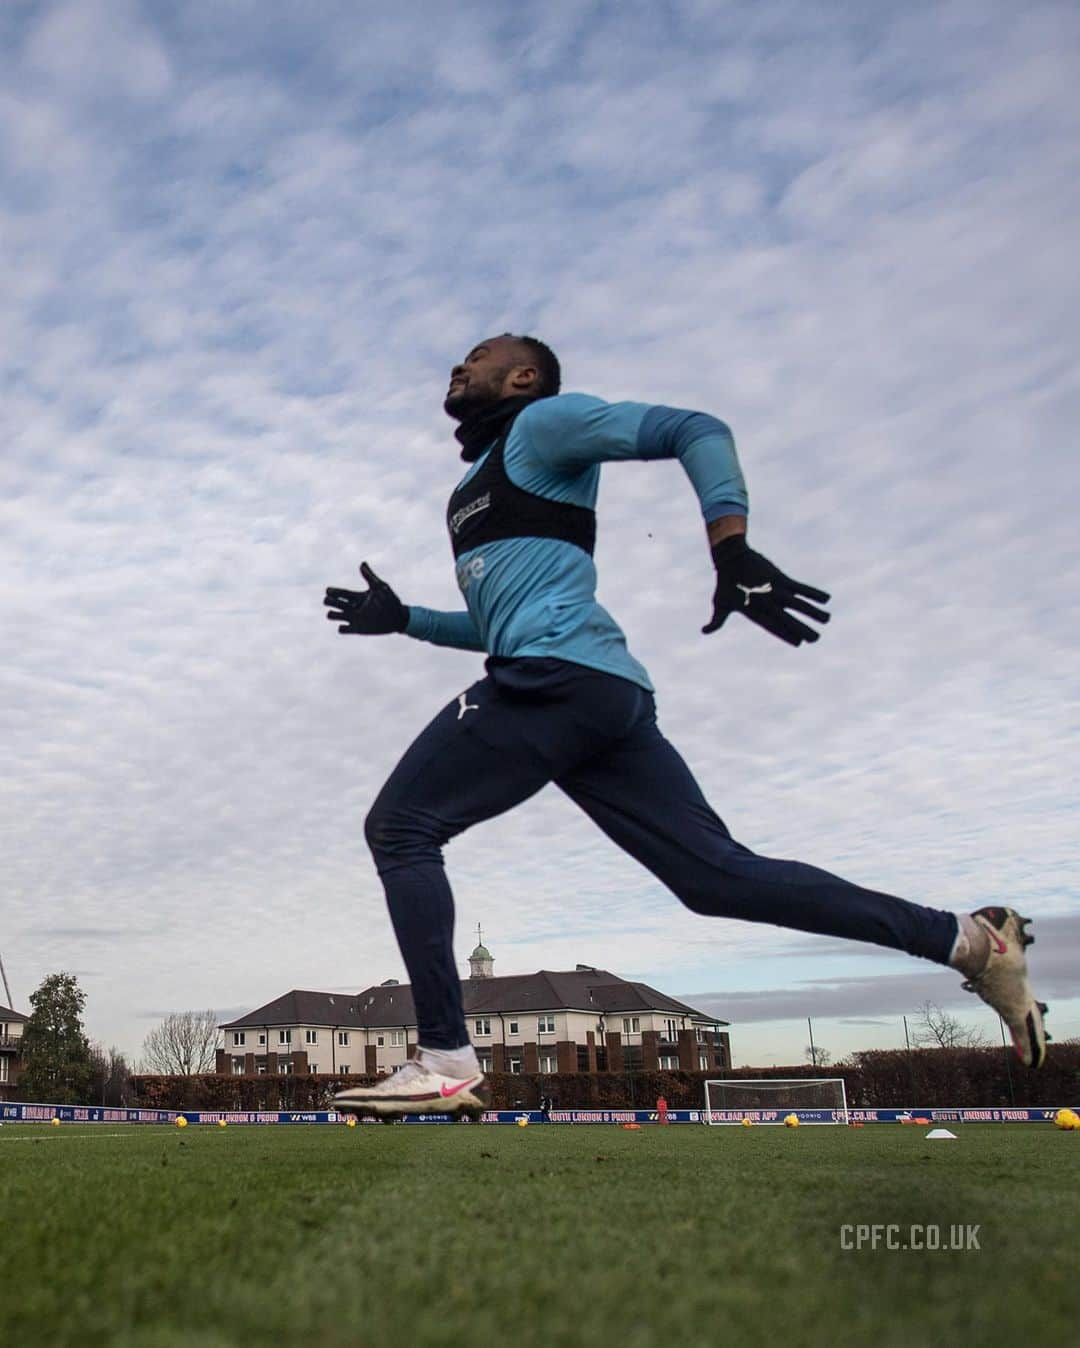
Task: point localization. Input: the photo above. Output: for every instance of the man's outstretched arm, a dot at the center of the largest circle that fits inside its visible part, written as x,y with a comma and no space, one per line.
441,628
746,582
377,611
575,431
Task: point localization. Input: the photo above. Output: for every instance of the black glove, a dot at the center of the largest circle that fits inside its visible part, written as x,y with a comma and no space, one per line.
749,584
372,612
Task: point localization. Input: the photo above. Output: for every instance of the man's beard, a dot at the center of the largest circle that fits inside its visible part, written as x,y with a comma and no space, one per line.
461,406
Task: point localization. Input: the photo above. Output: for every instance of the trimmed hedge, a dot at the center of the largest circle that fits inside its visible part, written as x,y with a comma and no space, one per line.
880,1078
971,1077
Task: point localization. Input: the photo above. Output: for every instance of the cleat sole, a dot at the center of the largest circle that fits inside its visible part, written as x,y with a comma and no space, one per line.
1003,982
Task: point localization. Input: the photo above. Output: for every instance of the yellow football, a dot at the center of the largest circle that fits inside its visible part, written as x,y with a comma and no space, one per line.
181,1122
746,1123
791,1121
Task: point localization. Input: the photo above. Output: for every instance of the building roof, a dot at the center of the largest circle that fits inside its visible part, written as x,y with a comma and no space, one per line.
571,990
391,1005
304,1008
6,1013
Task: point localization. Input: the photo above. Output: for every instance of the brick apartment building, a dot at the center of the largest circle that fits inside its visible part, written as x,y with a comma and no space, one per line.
580,1020
11,1028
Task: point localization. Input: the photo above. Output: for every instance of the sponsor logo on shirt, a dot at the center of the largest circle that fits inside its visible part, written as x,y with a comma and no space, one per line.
458,518
469,571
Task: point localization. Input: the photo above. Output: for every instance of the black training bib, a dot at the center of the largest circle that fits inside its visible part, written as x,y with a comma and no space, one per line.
489,507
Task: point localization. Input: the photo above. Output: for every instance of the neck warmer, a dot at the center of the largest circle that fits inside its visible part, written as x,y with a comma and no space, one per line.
483,428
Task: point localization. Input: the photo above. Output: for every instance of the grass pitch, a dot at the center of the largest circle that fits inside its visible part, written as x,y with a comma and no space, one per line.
541,1236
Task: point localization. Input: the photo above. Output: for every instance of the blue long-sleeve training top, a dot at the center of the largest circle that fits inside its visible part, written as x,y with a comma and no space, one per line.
537,596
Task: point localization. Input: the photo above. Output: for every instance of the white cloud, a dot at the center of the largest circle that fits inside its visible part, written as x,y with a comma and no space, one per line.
93,49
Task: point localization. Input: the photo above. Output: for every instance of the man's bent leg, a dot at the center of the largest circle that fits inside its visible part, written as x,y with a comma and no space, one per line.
644,797
494,746
450,777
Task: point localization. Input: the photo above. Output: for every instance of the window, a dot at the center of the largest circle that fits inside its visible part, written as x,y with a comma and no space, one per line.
397,1038
380,1041
631,1025
703,1062
669,1062
238,1067
344,1069
238,1039
515,1064
548,1062
633,1058
545,1025
283,1069
3,1069
484,1060
284,1036
700,1035
343,1039
311,1036
483,1025
262,1039
671,1029
582,1058
512,1027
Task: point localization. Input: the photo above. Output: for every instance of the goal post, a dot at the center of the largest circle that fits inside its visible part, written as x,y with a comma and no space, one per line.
770,1100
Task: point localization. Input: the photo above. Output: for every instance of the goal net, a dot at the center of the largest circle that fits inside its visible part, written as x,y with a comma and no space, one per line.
817,1100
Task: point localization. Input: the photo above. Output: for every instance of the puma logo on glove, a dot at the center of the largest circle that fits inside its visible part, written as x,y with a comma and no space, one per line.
748,590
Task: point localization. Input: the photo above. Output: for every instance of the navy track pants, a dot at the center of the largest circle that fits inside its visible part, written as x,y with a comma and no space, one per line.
534,721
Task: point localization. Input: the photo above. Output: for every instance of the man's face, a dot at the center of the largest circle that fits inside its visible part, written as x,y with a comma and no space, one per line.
495,369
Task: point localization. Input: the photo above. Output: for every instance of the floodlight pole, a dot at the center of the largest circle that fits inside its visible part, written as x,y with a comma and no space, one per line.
1008,1061
910,1072
7,990
813,1051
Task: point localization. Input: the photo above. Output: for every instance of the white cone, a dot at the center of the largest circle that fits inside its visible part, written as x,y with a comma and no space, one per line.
939,1135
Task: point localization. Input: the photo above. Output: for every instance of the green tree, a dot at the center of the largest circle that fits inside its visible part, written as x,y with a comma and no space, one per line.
56,1061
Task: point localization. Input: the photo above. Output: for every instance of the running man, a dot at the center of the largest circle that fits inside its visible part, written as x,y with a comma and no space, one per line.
564,701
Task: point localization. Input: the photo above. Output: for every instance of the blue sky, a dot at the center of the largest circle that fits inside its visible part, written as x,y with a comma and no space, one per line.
242,245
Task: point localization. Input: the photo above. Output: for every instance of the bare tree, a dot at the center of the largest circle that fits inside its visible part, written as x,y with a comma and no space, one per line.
817,1056
109,1077
183,1045
937,1028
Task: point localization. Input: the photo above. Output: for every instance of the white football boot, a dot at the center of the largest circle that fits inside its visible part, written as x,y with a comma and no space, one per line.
417,1088
1003,982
